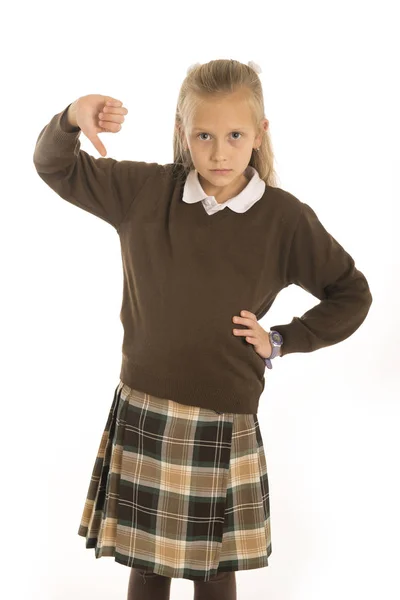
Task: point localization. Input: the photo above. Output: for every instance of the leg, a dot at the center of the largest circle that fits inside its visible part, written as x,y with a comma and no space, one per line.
220,587
148,586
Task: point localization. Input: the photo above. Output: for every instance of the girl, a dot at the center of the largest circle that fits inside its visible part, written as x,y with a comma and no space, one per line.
179,486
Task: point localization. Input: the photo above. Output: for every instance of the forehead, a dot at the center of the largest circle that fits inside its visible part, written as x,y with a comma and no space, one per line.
227,113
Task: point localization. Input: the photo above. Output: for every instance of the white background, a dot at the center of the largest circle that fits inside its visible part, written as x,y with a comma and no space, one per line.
329,419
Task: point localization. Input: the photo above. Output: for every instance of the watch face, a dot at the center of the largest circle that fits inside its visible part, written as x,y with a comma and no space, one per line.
276,337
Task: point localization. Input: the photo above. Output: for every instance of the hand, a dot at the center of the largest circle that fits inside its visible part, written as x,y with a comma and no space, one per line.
255,334
95,114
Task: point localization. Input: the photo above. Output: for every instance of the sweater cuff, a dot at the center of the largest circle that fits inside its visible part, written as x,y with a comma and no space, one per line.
65,125
296,337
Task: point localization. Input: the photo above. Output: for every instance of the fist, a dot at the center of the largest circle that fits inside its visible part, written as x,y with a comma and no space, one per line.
96,114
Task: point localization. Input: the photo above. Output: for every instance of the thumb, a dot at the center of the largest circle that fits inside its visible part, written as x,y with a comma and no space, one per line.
97,143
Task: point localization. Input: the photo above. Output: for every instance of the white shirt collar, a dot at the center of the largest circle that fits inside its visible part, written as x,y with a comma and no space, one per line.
254,190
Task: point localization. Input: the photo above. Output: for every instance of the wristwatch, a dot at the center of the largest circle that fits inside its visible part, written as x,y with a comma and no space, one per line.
276,342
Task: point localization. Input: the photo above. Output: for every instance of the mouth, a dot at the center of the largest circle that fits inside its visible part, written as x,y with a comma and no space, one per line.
221,170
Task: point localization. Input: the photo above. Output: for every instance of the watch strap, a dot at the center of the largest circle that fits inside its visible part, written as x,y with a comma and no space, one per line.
274,353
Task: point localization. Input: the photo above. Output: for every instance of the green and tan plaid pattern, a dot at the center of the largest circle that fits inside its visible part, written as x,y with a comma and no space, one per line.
178,490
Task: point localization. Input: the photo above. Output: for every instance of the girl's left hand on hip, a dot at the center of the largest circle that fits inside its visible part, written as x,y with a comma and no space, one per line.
255,334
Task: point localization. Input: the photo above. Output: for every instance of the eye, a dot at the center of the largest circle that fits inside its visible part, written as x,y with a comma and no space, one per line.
209,134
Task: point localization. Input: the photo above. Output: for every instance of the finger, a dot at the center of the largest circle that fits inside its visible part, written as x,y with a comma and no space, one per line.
97,143
108,126
113,102
242,331
248,314
115,110
244,321
112,118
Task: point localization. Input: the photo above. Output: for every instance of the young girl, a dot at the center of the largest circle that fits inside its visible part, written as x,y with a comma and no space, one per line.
179,486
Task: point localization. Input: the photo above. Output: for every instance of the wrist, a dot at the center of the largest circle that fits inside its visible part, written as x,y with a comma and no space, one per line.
279,351
71,115
276,343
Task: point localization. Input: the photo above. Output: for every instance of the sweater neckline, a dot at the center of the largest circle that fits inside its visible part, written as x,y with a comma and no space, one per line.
206,219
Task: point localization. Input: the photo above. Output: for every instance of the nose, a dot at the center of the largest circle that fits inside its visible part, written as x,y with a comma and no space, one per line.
218,154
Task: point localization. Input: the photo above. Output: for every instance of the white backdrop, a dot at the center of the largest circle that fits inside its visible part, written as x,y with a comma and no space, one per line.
329,419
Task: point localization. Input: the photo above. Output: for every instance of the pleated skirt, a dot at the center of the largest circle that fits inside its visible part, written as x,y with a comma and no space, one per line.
178,490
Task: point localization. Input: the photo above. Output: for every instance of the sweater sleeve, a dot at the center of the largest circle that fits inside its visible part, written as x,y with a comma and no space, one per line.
321,266
102,186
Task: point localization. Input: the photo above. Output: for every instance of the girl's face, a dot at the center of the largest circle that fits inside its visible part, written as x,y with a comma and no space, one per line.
222,136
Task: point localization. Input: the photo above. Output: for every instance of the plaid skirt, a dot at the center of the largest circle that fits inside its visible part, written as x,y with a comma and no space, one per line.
178,490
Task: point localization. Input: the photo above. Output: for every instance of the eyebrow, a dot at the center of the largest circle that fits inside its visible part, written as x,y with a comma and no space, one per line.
206,129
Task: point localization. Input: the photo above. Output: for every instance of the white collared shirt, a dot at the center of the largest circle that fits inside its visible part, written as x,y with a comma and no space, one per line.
254,190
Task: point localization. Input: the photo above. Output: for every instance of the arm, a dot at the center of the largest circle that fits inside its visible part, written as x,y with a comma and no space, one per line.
321,266
104,187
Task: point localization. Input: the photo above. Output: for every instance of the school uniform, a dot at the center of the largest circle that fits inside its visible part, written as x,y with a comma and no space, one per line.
179,485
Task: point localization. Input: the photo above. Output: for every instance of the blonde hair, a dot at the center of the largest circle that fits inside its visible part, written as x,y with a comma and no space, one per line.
216,78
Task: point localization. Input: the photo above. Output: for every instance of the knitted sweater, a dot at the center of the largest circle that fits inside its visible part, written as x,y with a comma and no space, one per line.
191,264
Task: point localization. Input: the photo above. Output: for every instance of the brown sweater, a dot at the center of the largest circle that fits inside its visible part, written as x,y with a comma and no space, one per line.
187,273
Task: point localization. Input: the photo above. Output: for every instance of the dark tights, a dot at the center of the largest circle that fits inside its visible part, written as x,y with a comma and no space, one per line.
151,586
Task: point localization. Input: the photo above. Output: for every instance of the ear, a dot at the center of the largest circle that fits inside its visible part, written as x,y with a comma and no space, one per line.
264,126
